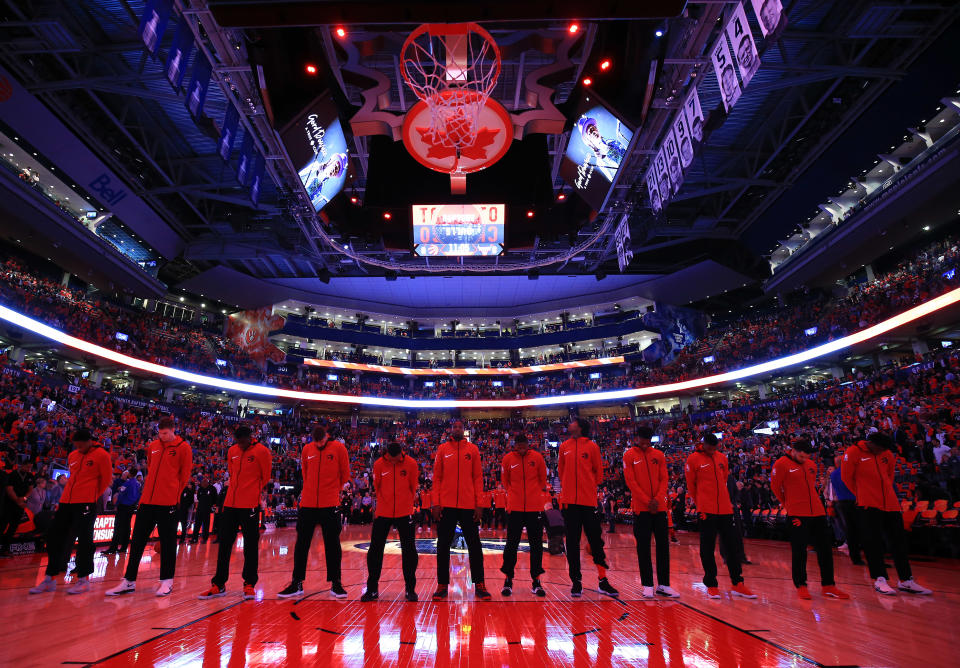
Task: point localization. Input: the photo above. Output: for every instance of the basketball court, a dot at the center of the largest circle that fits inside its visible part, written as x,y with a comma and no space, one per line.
777,629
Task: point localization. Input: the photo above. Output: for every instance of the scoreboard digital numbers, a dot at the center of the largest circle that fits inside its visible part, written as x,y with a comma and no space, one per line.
458,230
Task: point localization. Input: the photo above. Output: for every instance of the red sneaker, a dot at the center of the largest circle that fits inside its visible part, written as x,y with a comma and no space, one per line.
742,591
249,592
213,592
804,593
832,592
713,592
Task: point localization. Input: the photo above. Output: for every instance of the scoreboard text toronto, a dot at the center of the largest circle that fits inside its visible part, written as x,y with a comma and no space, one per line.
458,229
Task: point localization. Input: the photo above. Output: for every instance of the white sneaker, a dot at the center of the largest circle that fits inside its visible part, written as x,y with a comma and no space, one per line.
913,587
81,586
843,548
668,591
125,587
881,586
165,588
47,584
647,592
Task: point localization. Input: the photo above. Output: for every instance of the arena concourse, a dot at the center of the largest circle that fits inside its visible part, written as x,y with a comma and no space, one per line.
491,333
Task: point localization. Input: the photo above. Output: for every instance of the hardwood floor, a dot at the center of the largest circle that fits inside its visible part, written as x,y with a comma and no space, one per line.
777,629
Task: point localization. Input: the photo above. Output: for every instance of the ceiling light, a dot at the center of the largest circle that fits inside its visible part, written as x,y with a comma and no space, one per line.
311,68
587,81
605,65
574,28
341,33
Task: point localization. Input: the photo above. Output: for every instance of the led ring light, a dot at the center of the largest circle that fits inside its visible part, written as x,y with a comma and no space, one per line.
880,328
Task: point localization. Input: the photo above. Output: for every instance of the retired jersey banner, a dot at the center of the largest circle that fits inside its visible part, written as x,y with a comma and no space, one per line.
681,133
199,85
256,183
663,176
694,114
730,89
768,14
153,23
231,121
653,191
673,162
179,54
250,330
744,48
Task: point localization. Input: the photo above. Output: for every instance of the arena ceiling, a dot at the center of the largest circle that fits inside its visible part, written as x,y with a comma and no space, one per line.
820,70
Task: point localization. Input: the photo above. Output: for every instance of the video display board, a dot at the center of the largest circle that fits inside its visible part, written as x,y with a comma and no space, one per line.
458,230
317,147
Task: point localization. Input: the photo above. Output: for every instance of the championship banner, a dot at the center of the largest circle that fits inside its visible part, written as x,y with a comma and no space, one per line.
622,237
153,23
199,84
694,114
245,166
652,190
768,14
681,134
738,30
730,89
514,371
256,183
179,54
231,121
673,162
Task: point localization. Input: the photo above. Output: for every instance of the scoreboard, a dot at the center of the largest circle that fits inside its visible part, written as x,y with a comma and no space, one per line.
458,230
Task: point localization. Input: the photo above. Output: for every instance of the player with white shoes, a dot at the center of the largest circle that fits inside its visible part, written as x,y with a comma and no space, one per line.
645,471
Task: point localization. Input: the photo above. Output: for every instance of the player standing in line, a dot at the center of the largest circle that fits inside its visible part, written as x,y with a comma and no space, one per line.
457,492
706,472
646,475
867,470
326,469
90,476
581,471
395,478
794,483
248,468
524,477
169,461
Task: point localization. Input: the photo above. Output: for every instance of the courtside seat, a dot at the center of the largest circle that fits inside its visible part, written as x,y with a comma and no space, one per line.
949,517
927,518
940,505
906,505
922,505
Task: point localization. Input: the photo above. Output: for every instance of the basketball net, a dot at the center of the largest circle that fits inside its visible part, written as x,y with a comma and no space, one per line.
453,68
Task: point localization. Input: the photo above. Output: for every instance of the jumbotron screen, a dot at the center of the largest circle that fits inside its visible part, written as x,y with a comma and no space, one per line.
458,230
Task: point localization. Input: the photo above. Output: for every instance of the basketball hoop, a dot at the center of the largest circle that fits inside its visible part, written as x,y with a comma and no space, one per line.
452,68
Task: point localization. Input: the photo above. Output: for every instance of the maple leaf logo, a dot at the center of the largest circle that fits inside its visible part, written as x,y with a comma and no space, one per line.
478,151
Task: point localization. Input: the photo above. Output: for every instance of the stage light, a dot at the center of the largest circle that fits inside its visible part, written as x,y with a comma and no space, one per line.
529,214
587,81
574,28
354,200
659,33
562,196
341,33
605,65
387,215
311,68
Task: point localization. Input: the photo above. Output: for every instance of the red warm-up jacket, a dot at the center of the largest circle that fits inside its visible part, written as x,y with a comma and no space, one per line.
795,486
168,470
326,470
395,485
249,473
870,477
458,476
581,470
524,478
707,482
90,475
645,472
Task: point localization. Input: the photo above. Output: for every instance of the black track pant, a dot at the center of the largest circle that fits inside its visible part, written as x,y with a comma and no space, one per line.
449,519
583,519
201,523
645,524
164,518
848,516
408,550
814,531
247,522
72,522
121,528
712,526
330,526
516,522
874,524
